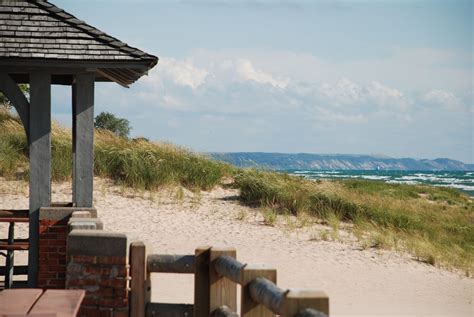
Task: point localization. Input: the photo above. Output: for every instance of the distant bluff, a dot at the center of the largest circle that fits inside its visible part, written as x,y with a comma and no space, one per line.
283,161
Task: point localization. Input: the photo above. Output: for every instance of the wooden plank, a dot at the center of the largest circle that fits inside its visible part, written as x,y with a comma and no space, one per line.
18,301
138,275
63,303
249,307
15,246
83,139
169,310
15,219
222,291
296,301
14,215
40,161
164,263
201,281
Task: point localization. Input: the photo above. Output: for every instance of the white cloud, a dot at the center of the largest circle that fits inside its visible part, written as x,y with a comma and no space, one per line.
246,71
225,85
443,98
383,95
353,96
344,92
180,72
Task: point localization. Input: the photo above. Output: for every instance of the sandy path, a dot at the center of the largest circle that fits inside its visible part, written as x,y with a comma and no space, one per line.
359,283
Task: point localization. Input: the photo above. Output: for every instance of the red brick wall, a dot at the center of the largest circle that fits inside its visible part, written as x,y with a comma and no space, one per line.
52,253
106,281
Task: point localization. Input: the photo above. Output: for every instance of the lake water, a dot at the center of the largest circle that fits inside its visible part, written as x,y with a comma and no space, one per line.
463,181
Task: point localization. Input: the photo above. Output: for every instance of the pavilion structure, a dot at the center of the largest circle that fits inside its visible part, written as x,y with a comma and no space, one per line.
42,45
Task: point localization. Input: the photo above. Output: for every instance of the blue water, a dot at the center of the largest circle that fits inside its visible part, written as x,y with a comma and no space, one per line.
463,181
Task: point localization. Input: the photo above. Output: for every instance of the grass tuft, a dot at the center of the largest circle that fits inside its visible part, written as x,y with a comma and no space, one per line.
397,216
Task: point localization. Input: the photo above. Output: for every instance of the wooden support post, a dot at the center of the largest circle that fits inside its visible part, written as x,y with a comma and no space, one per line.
40,162
83,139
201,281
222,291
10,89
296,301
139,287
250,308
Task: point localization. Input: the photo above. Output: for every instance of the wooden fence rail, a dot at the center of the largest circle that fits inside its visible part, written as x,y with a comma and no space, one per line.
160,263
217,273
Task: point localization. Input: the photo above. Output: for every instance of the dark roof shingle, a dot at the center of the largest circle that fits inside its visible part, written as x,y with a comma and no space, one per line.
40,30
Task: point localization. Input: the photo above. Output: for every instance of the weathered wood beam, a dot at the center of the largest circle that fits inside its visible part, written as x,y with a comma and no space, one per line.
163,263
9,87
268,294
40,161
83,139
29,65
229,267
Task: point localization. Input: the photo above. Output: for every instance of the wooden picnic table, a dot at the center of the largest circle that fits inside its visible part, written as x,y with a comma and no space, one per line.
40,303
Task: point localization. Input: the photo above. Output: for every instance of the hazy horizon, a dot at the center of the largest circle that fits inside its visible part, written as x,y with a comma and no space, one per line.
391,77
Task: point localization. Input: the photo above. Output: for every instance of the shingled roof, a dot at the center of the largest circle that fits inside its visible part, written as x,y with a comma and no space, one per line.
38,30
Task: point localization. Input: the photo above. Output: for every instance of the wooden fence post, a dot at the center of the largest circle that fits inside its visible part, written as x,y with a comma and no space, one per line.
222,291
201,281
296,301
250,308
139,288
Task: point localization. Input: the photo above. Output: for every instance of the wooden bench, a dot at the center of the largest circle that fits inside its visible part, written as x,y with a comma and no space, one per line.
36,302
10,244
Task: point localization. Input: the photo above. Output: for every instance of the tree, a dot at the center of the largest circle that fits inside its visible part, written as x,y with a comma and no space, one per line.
6,103
108,121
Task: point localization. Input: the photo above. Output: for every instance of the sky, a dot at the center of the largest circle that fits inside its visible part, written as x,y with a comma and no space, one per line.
379,77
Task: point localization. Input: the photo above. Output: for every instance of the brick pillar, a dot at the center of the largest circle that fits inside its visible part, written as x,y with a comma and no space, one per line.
53,232
52,250
98,263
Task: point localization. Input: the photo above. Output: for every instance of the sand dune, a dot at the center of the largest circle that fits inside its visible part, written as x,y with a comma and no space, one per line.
359,282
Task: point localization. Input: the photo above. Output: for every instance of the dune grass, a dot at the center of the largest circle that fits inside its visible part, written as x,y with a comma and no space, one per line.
434,224
135,163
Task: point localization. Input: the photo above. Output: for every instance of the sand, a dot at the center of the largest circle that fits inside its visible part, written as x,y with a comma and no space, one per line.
359,282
